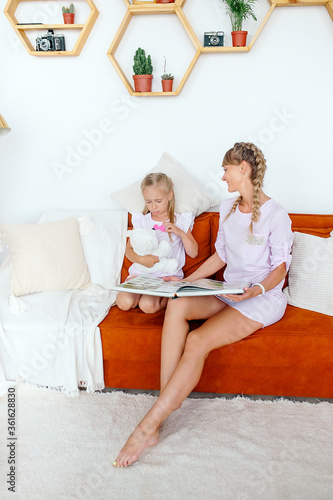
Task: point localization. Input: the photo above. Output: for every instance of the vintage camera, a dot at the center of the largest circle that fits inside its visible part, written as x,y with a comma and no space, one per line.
214,39
50,41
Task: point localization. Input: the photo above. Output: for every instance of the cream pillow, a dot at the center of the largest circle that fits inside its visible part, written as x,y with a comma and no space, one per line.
188,193
45,257
310,278
103,246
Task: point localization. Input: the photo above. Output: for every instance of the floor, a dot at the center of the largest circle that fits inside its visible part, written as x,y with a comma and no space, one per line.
228,396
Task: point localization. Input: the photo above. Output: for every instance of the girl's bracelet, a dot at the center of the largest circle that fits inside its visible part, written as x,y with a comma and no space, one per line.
261,286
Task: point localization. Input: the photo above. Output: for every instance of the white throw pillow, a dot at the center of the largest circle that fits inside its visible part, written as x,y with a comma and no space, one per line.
104,247
310,279
189,195
45,257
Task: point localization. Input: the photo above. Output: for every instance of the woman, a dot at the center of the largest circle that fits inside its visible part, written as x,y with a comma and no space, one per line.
254,242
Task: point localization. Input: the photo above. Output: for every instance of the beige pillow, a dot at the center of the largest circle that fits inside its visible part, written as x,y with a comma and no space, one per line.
188,193
310,278
45,257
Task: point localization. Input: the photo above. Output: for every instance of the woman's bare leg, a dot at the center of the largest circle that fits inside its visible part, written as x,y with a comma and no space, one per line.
176,328
150,304
225,327
126,301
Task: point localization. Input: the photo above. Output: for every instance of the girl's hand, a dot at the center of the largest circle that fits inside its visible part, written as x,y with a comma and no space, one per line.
172,228
248,294
190,245
171,278
148,260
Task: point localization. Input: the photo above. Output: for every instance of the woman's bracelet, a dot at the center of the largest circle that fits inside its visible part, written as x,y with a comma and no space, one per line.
261,286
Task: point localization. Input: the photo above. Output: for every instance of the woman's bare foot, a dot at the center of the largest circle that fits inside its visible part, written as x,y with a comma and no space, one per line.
139,440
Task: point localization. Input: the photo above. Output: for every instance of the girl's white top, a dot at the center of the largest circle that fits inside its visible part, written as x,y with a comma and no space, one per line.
183,221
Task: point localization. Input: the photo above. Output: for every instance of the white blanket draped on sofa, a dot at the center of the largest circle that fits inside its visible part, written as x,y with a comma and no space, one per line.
56,342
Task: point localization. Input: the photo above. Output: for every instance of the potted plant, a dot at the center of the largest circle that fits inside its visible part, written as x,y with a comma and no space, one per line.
167,79
167,82
238,11
68,13
142,69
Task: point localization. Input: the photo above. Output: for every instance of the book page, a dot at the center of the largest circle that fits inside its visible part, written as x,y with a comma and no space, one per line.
208,284
143,282
147,283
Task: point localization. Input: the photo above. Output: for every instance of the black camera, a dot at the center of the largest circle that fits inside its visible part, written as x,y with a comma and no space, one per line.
50,41
214,39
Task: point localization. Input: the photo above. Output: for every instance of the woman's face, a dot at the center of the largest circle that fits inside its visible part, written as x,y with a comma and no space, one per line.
233,177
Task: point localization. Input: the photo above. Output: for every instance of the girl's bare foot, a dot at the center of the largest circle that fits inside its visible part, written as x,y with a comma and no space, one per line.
139,440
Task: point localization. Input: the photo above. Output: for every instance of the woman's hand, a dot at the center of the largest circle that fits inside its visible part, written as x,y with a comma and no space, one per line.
148,260
248,294
270,282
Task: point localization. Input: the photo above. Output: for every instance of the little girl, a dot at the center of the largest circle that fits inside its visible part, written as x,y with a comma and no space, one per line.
159,211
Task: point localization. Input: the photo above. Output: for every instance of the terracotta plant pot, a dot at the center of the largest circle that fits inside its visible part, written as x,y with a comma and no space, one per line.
165,1
239,38
142,83
167,85
68,17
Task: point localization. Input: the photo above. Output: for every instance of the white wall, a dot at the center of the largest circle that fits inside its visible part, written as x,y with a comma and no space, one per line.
53,104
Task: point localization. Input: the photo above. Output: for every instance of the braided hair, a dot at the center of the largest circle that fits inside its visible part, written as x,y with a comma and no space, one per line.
246,151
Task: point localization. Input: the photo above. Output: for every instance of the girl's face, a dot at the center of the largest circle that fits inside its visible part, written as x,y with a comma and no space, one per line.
157,200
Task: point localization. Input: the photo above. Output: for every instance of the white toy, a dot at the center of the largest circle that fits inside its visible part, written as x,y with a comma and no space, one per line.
144,242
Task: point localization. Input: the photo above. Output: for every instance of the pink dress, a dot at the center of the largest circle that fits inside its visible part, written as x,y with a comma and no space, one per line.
251,259
183,221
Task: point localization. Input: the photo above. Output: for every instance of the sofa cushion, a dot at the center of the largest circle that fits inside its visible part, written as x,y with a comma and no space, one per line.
291,357
131,343
190,196
45,257
310,278
321,233
215,228
318,225
202,234
101,251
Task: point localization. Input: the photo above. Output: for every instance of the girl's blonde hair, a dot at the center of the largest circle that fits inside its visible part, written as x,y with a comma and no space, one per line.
161,181
255,157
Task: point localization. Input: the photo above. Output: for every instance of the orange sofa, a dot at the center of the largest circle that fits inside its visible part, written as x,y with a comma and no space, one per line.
293,357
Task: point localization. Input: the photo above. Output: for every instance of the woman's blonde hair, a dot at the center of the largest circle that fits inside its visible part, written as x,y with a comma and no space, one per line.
255,157
161,181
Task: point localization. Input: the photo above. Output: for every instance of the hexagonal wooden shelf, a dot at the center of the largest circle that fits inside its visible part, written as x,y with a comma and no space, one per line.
20,29
298,3
212,50
177,8
329,7
304,3
153,9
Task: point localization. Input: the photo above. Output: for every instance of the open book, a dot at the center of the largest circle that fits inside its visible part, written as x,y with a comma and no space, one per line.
150,285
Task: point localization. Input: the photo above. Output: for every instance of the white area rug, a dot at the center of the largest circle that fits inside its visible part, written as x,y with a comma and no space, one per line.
236,449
